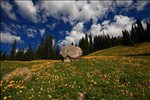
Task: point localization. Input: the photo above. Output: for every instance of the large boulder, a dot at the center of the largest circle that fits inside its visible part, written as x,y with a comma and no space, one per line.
71,52
24,73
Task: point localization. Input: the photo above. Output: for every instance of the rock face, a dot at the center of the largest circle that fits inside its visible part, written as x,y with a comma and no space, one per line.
24,73
70,52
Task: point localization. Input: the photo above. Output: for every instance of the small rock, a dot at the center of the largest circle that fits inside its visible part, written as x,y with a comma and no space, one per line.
23,73
67,59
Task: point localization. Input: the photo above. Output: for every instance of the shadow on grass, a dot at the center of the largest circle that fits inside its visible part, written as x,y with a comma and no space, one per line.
145,54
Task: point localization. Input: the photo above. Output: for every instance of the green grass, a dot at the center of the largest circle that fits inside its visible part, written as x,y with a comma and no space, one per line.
143,48
115,77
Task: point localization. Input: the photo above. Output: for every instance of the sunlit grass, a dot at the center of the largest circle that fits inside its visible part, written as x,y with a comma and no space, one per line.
143,48
98,77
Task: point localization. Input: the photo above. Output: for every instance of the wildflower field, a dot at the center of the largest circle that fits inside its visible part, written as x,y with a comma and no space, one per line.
115,73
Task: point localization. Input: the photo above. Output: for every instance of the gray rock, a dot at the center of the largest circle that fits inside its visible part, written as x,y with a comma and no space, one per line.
71,52
24,73
67,59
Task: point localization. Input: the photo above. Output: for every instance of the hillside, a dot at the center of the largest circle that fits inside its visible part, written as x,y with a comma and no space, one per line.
140,49
116,73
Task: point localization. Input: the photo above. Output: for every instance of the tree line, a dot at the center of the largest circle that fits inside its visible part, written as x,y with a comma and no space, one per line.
136,35
48,50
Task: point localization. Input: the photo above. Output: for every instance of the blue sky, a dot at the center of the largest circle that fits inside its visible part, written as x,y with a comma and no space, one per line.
68,21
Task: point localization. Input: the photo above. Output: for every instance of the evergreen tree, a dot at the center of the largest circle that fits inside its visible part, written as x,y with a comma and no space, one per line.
4,56
140,31
134,35
0,54
28,55
91,43
82,45
147,31
126,38
95,43
49,47
13,50
87,45
19,55
40,53
139,34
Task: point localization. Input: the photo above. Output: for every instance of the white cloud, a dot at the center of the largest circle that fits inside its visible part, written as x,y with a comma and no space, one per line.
5,27
74,36
76,10
114,28
79,27
51,27
31,32
106,22
140,5
27,10
42,31
12,27
95,29
9,38
125,3
8,8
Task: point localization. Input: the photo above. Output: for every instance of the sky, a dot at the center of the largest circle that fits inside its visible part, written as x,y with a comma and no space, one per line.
27,21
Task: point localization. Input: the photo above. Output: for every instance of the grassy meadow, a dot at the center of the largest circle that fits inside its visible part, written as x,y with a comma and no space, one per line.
121,73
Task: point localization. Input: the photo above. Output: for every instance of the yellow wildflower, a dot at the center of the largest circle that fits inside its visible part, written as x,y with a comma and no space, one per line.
5,97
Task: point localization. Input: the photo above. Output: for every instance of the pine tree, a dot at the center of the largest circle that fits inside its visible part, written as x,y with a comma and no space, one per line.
126,38
19,55
140,31
147,31
49,47
87,45
91,43
95,43
28,55
4,56
134,35
40,53
82,45
0,54
13,50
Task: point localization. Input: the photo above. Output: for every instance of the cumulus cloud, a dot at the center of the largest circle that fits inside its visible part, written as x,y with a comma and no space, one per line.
105,22
125,3
12,27
70,11
31,32
140,5
74,36
95,29
76,10
42,31
27,10
79,27
9,38
8,8
52,26
114,28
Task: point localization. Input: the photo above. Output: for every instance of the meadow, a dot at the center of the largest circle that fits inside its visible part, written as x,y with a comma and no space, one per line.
121,73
